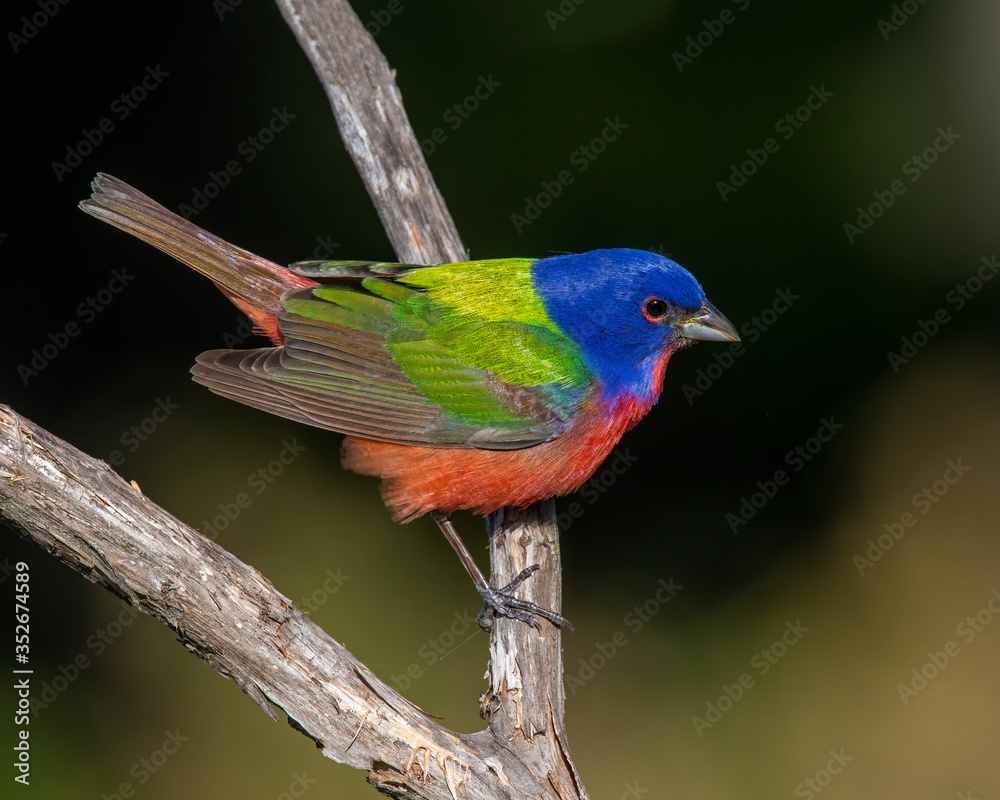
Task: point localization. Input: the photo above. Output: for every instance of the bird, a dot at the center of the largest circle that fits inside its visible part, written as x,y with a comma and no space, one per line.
467,386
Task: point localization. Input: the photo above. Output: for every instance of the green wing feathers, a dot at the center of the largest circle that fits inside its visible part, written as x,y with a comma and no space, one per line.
448,356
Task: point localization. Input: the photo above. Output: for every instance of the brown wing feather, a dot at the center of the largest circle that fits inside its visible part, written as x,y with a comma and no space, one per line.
390,410
344,379
246,376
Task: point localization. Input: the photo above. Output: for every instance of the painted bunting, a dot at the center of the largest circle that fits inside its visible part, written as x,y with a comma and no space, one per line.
472,385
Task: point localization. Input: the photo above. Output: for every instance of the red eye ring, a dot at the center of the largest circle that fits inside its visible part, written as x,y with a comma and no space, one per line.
655,308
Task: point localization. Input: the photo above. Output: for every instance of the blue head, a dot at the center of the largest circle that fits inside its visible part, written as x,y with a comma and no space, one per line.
628,310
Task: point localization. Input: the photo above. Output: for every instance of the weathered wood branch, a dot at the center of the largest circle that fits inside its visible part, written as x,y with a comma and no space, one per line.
525,699
229,614
375,129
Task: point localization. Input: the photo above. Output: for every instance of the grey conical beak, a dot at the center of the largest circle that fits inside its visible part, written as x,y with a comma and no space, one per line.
709,325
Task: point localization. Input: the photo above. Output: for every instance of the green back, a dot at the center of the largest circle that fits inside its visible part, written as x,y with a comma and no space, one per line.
470,341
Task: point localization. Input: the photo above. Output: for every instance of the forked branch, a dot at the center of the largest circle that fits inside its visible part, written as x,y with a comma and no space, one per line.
79,510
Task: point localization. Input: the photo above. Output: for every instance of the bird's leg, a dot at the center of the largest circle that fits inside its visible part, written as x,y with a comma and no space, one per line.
497,601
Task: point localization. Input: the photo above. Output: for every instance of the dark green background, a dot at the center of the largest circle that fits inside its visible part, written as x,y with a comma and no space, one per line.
654,187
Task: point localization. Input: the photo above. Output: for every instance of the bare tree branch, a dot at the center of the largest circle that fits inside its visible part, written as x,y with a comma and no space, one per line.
525,699
226,612
376,131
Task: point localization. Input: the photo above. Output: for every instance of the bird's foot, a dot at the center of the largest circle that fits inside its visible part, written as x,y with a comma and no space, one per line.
500,602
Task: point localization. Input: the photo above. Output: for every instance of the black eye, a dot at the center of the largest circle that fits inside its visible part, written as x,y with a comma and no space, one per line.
654,308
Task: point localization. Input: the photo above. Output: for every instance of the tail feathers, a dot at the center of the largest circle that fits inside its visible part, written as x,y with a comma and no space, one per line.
254,284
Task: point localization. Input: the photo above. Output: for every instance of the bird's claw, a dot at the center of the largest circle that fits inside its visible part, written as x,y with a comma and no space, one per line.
500,602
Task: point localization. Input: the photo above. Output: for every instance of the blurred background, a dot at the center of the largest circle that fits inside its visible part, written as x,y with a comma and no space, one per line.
836,628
